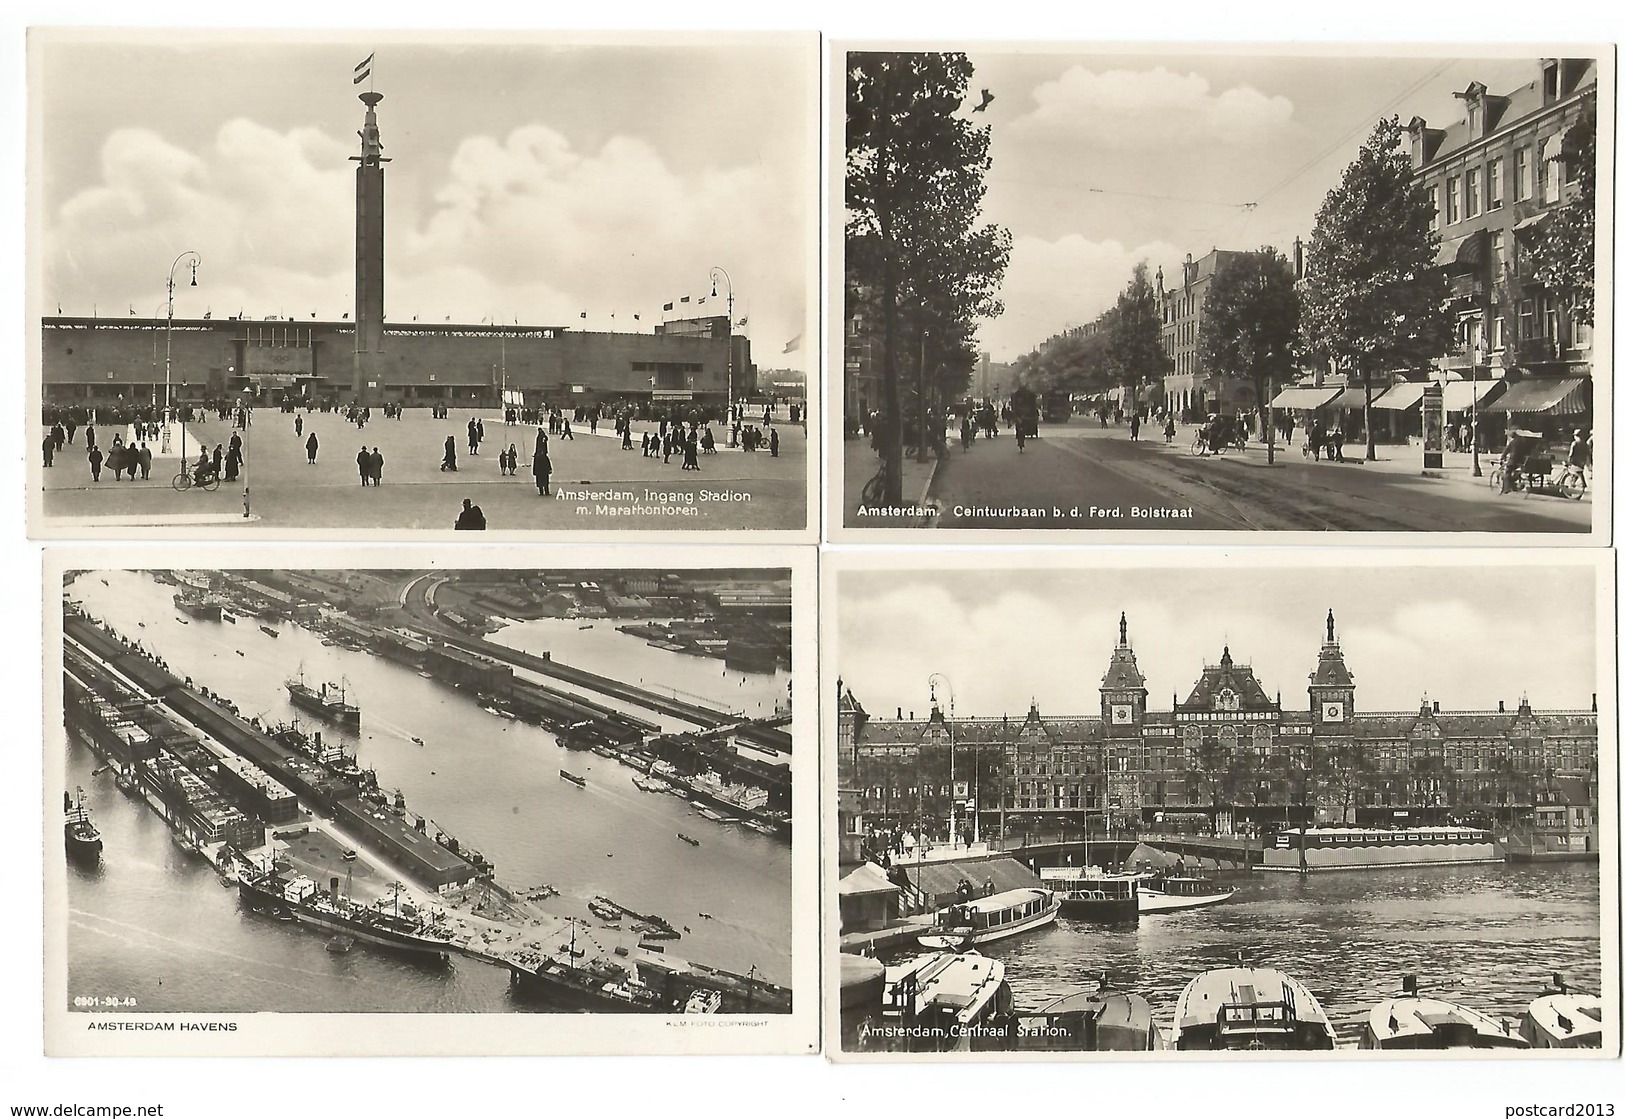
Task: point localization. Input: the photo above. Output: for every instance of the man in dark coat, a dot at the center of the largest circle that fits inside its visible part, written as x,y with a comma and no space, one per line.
471,517
144,457
95,457
375,466
363,464
448,461
310,449
541,465
48,448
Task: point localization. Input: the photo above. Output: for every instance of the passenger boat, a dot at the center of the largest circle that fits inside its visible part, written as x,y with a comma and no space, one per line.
1104,1020
688,839
994,917
268,631
1093,895
1559,1018
84,842
1310,850
1249,1008
947,1001
572,778
1418,1021
1167,892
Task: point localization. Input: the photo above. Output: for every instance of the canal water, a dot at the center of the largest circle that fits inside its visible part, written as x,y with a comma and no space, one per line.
491,781
1488,937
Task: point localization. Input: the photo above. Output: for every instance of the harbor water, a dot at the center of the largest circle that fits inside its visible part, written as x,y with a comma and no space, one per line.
1488,937
490,780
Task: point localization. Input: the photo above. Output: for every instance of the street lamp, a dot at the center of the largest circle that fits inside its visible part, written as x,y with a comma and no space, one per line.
718,270
169,331
1478,354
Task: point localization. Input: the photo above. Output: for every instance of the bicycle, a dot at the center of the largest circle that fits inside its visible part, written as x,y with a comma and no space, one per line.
1572,482
184,481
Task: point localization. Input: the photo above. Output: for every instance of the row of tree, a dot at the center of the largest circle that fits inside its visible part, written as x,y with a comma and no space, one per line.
1372,299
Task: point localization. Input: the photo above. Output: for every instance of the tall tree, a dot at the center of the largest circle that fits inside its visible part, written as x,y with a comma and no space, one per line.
1250,322
915,176
1373,300
1134,347
1565,255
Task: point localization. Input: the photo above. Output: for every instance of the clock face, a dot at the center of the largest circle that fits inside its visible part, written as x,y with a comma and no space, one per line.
1331,712
1122,712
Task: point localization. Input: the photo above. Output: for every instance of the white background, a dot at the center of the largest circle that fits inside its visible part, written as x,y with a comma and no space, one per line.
698,1086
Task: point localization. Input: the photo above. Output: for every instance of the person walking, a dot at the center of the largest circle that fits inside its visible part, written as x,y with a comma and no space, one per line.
310,449
691,451
1168,428
773,443
471,517
217,461
144,457
513,460
363,464
375,466
449,460
298,426
95,457
48,448
564,429
541,466
234,460
473,438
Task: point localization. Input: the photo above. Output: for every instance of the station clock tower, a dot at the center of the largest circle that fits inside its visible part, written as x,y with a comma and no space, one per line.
1331,686
1122,691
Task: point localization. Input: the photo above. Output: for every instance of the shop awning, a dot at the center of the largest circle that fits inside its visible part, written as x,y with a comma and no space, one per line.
1305,399
1530,223
1401,397
1562,397
1458,395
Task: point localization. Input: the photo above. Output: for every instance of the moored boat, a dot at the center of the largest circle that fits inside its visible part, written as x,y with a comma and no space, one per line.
1559,1018
388,925
84,842
945,1001
1249,1008
1417,1021
268,631
1104,1020
195,605
327,701
1167,892
1092,895
991,918
1311,850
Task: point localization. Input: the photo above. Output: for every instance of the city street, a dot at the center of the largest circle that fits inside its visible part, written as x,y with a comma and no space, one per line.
596,485
1079,475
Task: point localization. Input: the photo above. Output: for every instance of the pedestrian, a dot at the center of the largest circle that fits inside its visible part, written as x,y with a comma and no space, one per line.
375,466
773,443
471,517
73,425
144,457
298,426
216,461
1134,427
564,429
48,448
95,457
479,433
234,460
1168,428
691,451
473,438
90,436
310,449
1337,443
541,465
449,460
363,464
513,460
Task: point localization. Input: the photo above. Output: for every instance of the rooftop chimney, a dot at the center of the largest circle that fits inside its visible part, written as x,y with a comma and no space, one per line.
1501,706
1435,707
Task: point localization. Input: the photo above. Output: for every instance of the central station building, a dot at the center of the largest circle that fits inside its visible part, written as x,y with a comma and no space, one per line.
1227,754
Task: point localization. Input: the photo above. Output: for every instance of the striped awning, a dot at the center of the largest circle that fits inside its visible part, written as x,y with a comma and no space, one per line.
1459,395
1305,399
1565,396
1401,397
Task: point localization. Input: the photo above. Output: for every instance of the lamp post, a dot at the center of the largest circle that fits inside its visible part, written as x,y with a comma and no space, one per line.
169,331
718,270
1478,353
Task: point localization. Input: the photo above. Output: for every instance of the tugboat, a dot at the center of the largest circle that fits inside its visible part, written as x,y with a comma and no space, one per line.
1418,1021
83,840
328,702
1249,1008
581,782
1104,1020
991,918
1562,1019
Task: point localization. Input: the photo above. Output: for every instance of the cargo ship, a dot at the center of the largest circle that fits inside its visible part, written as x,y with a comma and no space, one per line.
1310,850
83,840
326,701
195,605
385,924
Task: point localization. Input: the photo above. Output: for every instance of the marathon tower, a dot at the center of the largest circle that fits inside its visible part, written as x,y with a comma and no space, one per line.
367,379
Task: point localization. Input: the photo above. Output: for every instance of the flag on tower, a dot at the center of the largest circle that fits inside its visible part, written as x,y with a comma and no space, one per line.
363,70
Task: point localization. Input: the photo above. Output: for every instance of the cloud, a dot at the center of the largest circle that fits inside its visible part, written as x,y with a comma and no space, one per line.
1051,284
527,226
1153,109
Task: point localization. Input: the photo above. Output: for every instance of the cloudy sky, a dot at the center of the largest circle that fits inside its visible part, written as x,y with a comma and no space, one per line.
528,181
1466,636
1100,161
